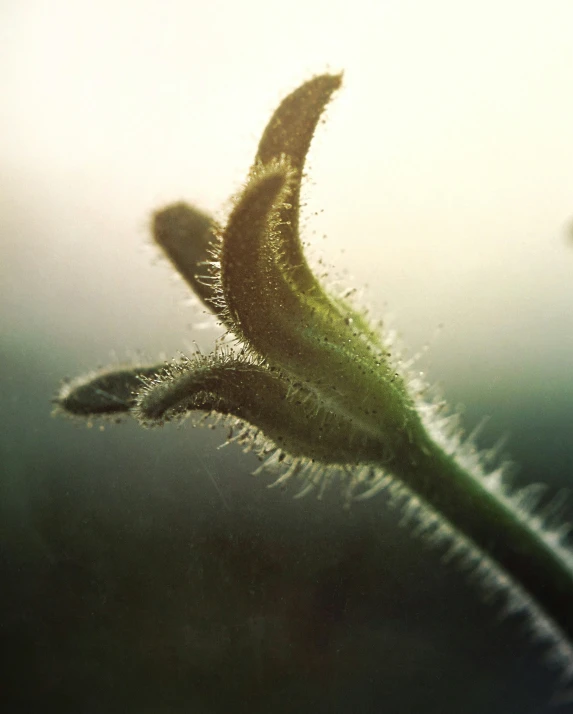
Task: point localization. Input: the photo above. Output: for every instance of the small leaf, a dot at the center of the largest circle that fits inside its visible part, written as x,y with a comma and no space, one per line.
106,393
289,133
291,128
186,235
284,411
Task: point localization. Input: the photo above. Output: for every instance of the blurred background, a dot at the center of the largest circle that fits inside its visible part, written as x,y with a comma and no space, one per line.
147,571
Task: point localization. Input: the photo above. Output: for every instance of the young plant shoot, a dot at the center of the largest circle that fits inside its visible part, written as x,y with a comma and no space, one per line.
319,393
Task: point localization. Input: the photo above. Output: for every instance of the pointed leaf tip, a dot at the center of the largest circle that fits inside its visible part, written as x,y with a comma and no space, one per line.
289,133
292,126
110,392
186,236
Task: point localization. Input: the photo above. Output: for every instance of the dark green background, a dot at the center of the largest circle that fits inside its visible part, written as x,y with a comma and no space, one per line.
130,584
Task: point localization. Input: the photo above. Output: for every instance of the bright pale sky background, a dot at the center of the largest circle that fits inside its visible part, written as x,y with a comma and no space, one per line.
444,173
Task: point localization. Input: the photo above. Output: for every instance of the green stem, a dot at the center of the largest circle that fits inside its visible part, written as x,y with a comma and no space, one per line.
493,523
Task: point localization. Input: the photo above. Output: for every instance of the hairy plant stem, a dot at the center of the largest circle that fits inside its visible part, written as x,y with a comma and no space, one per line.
493,526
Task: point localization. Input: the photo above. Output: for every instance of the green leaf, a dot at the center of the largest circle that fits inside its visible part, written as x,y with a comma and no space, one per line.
109,392
186,236
284,411
302,333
